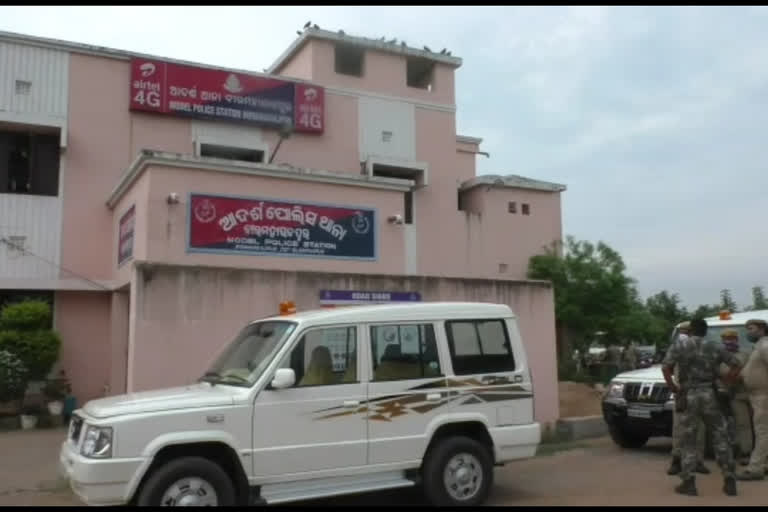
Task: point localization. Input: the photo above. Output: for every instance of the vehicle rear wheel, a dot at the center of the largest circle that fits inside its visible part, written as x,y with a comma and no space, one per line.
628,439
188,481
458,471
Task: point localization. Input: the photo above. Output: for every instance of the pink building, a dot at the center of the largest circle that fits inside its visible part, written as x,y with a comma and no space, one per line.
162,204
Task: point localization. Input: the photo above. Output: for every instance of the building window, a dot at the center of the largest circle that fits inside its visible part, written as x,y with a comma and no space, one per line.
386,136
403,352
29,163
479,346
461,201
526,209
503,267
232,153
348,60
23,87
325,357
420,73
512,207
408,207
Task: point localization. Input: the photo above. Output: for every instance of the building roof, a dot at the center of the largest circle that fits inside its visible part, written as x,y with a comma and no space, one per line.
512,181
392,46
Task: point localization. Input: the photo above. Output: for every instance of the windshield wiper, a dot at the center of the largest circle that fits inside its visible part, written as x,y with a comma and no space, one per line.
214,377
211,377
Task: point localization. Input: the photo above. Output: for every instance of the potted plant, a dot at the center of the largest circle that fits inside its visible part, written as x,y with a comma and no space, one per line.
29,414
56,390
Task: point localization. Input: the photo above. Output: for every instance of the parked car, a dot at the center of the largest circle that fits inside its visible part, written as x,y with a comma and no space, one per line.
638,405
318,404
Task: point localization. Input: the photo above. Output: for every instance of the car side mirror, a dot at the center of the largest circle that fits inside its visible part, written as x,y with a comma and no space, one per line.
284,378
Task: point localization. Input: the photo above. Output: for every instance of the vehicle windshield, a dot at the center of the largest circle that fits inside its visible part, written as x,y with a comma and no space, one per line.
714,332
245,359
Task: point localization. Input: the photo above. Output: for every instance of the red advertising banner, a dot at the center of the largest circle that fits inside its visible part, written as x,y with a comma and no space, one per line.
125,235
175,89
280,228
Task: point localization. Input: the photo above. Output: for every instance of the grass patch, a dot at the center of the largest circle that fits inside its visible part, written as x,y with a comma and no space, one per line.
558,447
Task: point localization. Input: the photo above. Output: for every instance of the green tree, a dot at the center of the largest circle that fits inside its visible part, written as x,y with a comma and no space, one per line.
706,310
25,332
592,291
758,298
726,301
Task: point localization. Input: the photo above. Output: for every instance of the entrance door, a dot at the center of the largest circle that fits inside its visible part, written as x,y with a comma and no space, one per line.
317,425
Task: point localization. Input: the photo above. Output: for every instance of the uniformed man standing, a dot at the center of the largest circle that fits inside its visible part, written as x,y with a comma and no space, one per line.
755,376
699,361
701,439
735,401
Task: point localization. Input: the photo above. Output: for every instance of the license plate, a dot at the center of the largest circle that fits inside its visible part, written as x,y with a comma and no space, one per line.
638,413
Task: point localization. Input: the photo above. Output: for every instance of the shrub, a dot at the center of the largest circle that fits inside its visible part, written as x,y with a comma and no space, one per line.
29,315
38,350
13,377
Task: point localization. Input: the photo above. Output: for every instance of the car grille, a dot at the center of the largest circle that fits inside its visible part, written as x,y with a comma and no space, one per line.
75,426
659,393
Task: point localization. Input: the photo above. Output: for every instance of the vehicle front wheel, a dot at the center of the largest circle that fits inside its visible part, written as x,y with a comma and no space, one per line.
628,439
458,471
188,481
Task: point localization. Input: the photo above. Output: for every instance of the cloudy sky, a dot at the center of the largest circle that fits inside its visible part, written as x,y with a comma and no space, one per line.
655,117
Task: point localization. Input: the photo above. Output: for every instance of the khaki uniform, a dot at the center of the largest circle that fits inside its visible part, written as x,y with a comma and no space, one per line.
740,424
755,377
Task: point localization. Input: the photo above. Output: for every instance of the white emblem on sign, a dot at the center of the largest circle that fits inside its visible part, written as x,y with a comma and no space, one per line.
360,224
147,69
233,84
205,211
310,94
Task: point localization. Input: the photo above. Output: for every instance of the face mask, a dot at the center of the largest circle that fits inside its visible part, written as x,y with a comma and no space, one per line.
753,337
683,336
731,346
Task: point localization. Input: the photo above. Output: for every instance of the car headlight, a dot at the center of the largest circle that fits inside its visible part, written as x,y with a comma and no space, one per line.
97,443
615,390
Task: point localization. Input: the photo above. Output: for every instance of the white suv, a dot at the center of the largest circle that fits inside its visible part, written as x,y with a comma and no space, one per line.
317,404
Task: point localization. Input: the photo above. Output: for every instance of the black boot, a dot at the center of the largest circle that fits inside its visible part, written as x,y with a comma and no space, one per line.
701,468
729,486
688,487
675,468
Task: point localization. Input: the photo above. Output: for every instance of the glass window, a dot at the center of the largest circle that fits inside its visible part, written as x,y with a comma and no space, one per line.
402,352
325,357
243,361
479,346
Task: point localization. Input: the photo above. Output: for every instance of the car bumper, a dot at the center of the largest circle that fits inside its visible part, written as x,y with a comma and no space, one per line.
652,419
98,482
515,442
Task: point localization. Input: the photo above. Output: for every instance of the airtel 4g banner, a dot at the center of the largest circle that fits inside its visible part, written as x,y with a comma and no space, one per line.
175,89
280,227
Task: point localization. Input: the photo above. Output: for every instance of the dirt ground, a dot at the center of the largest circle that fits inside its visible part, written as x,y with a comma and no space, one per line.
556,477
577,399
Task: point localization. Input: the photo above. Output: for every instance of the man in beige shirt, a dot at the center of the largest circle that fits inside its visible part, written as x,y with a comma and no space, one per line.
755,376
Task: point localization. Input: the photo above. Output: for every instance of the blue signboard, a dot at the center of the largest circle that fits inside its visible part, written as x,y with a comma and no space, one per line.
342,297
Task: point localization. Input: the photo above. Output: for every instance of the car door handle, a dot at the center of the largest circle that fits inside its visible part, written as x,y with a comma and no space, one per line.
434,397
351,403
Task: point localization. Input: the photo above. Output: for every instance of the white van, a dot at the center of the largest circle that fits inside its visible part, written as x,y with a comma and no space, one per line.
317,404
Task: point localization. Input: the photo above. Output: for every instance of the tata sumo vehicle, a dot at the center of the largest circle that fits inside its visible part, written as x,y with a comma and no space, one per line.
638,405
318,404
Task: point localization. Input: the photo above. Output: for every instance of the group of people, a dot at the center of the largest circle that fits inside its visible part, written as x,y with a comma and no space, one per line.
715,386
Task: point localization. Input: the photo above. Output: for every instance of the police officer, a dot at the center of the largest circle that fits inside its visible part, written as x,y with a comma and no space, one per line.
735,401
755,376
698,361
701,439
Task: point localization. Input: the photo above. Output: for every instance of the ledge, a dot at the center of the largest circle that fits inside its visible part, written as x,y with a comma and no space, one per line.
286,172
511,181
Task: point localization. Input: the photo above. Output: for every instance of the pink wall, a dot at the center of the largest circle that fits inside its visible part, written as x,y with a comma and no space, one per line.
137,196
83,320
196,312
167,231
300,66
383,73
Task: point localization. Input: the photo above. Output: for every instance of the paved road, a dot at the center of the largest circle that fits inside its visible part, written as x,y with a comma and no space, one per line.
590,473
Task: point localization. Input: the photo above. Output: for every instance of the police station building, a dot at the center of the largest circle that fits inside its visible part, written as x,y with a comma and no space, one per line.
162,204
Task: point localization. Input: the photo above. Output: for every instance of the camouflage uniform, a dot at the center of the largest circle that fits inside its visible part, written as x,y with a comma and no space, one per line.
755,375
677,433
698,360
738,418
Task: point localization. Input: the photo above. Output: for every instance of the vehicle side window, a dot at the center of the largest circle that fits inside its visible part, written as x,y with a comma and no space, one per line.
325,357
402,352
479,346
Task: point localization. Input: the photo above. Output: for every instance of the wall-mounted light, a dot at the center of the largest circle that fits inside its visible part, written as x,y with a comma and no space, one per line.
173,198
395,219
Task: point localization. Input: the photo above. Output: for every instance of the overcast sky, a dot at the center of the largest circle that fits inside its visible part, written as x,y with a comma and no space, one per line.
654,117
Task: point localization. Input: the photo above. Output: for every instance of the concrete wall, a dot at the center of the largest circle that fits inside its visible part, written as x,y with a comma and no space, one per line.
185,316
